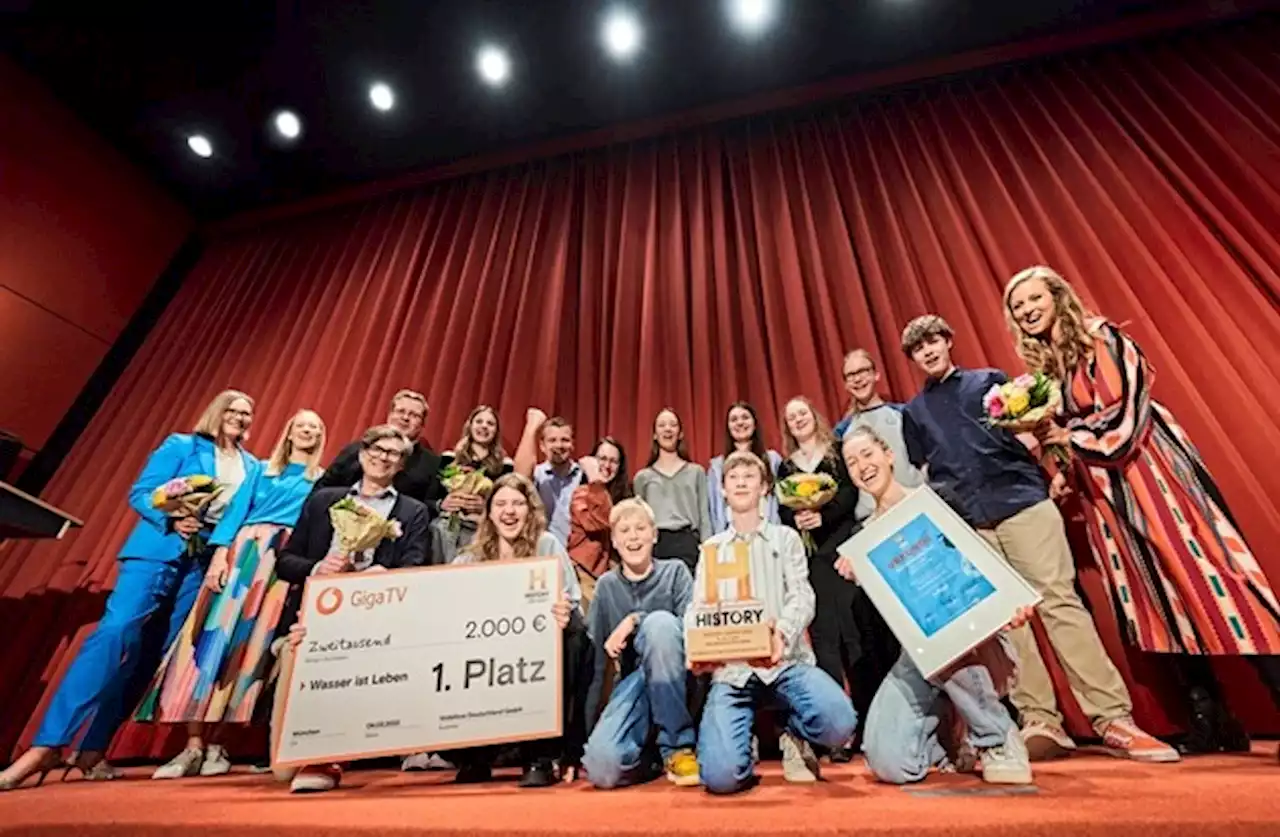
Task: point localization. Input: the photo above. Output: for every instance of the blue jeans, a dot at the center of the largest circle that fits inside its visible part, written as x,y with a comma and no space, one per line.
651,696
900,740
144,613
815,706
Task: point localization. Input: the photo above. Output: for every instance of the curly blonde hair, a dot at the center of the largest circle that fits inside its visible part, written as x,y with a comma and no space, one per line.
1065,347
486,544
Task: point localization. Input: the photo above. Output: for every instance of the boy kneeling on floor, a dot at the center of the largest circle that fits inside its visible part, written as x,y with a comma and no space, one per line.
771,568
635,619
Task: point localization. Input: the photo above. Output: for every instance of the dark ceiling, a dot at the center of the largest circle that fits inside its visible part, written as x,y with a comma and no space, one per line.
147,74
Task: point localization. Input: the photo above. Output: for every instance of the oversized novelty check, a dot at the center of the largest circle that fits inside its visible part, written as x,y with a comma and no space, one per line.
424,659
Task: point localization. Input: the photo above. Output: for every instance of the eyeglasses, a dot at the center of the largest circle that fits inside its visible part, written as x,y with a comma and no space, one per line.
864,372
400,412
240,413
385,454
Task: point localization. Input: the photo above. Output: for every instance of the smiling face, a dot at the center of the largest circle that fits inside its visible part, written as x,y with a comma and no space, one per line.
407,415
666,431
1033,307
800,420
743,487
381,459
236,419
306,431
633,537
742,425
860,377
869,464
508,511
933,355
557,444
610,459
484,428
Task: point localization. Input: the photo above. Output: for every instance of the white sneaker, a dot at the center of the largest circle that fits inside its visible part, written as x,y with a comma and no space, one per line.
424,761
799,764
316,779
216,762
1007,763
186,763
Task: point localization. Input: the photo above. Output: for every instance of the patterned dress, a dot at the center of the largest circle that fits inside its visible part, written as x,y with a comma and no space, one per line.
1180,576
216,669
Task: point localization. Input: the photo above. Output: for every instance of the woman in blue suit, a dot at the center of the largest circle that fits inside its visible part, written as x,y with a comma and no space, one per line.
155,587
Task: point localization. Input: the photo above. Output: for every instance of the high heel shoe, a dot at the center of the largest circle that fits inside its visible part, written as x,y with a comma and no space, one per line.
49,762
93,768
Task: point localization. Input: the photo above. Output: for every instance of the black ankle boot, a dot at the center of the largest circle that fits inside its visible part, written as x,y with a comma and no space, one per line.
1231,733
1202,724
540,773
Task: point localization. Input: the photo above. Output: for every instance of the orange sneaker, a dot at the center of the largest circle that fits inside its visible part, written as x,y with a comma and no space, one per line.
1125,739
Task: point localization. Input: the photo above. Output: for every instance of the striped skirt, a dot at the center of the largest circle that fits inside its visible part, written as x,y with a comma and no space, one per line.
219,663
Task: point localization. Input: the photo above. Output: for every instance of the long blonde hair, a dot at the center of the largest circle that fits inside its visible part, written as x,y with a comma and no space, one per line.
486,544
283,451
822,431
1069,343
210,423
493,463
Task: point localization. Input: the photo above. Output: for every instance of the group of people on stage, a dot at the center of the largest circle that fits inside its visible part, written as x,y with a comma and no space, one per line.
203,617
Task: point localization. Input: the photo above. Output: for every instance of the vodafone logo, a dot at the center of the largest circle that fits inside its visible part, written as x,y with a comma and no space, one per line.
329,600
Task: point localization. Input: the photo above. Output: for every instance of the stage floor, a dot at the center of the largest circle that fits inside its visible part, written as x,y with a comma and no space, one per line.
1087,795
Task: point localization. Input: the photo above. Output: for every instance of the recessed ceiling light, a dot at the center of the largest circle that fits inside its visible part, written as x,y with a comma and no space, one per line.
493,65
200,145
382,97
751,17
288,125
622,33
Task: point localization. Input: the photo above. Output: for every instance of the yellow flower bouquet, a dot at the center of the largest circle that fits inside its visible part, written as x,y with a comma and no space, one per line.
806,492
187,497
1023,405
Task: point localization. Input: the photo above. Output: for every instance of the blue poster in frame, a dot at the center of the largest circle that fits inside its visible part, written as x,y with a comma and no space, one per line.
933,579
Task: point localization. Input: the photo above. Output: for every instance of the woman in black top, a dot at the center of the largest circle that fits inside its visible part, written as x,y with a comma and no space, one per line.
849,638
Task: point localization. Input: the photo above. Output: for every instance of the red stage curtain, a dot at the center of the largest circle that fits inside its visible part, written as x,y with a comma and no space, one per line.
738,261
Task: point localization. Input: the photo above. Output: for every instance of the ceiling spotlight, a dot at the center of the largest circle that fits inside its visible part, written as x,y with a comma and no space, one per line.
493,65
382,97
622,33
751,17
287,124
200,145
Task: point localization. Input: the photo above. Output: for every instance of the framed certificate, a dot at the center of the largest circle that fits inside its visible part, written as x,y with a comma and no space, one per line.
430,658
940,587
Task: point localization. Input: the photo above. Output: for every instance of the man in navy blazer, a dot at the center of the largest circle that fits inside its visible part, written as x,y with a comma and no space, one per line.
313,549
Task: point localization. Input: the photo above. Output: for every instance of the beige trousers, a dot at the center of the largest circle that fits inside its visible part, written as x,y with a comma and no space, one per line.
282,672
1034,541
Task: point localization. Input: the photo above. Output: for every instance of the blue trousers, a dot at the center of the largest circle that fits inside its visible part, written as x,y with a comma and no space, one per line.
900,740
651,696
144,613
815,706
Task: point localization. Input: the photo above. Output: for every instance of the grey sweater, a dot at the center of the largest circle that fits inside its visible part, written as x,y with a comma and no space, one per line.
669,587
678,501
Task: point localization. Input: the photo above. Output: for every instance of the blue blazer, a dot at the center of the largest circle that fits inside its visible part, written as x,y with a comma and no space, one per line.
179,455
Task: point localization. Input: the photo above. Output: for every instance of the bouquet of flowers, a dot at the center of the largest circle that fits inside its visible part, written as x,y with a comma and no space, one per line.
187,497
1024,404
359,527
806,492
467,480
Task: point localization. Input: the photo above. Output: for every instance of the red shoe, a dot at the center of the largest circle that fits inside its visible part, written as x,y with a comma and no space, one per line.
1125,739
316,779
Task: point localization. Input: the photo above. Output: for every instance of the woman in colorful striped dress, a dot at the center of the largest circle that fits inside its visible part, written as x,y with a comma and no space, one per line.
218,667
1180,574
